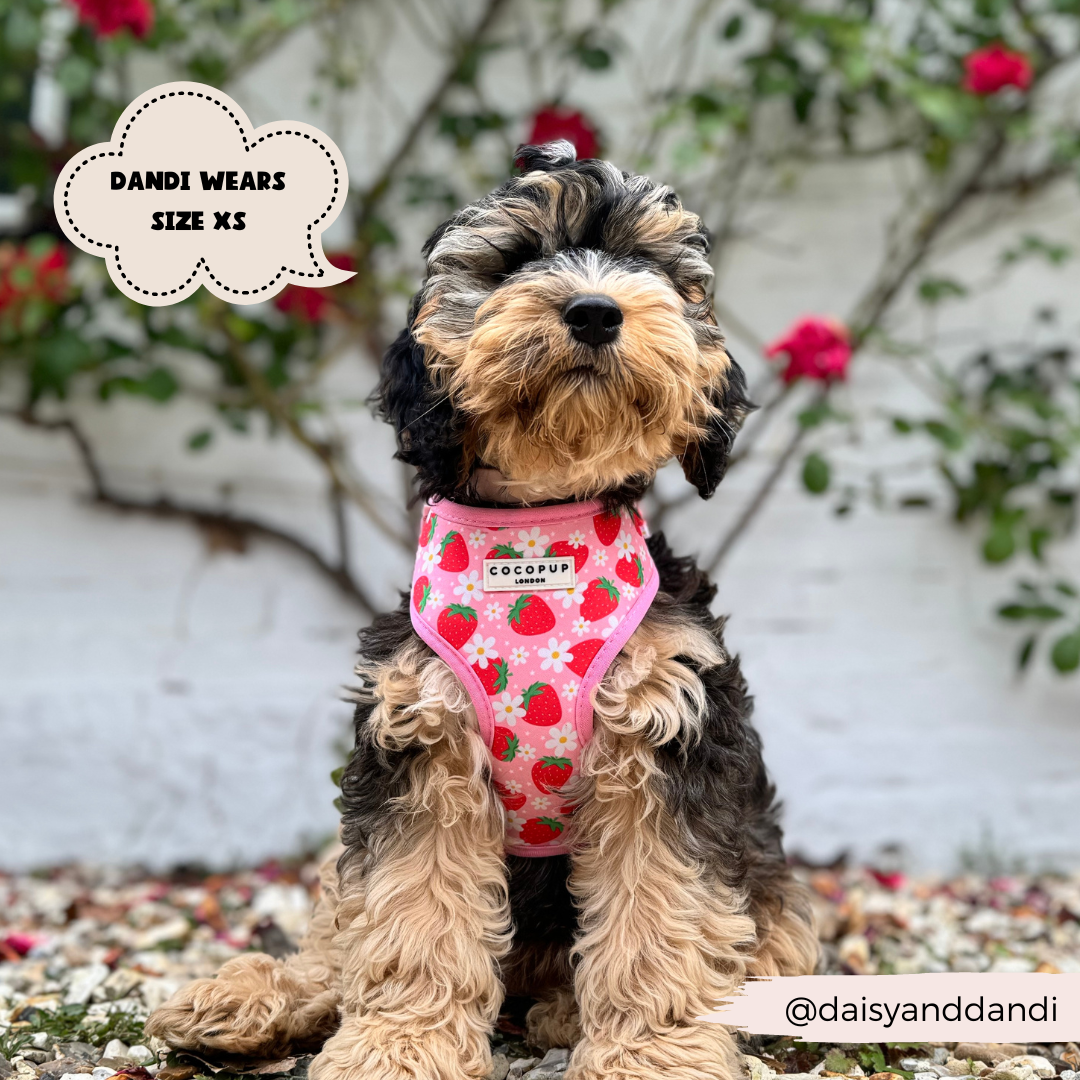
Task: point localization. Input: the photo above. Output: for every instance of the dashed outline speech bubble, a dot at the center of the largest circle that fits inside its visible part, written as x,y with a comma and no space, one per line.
190,163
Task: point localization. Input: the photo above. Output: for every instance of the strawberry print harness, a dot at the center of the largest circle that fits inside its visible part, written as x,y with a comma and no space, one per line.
529,606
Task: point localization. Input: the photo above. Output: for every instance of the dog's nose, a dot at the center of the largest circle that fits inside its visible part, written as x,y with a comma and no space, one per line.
593,318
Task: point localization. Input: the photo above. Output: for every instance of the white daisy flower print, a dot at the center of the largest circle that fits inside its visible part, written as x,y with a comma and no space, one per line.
562,739
575,594
493,611
519,655
512,787
508,709
542,802
569,690
600,557
480,650
580,626
514,820
526,752
612,622
477,538
555,655
530,543
624,546
629,592
469,587
430,557
576,538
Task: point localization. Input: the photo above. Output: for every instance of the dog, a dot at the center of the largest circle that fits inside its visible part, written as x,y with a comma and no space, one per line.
562,348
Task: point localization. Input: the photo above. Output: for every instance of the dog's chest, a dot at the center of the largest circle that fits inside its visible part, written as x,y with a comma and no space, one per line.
529,607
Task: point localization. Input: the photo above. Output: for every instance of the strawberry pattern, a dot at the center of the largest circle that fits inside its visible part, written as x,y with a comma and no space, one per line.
530,659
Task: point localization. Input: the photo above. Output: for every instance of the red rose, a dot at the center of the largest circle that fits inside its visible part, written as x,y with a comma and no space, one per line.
109,16
311,304
33,271
988,70
553,122
816,349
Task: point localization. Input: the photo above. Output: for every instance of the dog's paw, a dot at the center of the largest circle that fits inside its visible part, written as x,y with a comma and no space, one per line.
255,1007
372,1048
694,1052
554,1021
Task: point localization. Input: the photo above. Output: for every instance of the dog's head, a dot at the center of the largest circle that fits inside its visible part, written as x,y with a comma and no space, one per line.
564,336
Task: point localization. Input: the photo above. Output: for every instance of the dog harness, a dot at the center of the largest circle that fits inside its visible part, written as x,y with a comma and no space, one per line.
529,606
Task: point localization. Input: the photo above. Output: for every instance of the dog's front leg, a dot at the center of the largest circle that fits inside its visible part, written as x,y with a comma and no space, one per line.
424,916
662,939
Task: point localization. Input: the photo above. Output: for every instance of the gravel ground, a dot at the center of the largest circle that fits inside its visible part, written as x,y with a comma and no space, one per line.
86,954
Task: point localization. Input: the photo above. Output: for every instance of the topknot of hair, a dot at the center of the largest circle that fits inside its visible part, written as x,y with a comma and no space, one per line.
545,157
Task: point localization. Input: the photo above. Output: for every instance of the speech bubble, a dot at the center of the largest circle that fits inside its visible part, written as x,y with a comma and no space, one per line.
188,193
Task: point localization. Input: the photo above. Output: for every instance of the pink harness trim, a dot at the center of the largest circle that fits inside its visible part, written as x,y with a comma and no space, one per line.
462,537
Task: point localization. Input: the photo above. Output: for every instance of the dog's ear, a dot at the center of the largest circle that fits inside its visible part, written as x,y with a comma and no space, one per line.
428,433
545,157
704,462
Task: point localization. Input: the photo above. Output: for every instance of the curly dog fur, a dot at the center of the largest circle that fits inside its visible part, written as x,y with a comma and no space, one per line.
676,886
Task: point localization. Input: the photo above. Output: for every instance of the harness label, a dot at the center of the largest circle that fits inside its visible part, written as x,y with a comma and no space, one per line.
515,575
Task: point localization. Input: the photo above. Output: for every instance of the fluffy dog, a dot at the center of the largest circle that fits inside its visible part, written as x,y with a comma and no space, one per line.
563,347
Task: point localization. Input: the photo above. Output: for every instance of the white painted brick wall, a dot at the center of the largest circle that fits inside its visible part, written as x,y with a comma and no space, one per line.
158,704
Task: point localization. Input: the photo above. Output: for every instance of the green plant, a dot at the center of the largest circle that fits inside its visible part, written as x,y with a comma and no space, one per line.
763,92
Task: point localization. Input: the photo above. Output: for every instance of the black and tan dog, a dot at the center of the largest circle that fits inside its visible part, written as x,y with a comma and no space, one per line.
675,888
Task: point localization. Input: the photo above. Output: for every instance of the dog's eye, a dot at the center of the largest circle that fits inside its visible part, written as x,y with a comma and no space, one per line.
699,241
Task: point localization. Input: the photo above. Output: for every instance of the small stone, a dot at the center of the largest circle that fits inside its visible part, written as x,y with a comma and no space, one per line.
40,1040
178,930
942,1055
115,1050
1038,1065
757,1068
552,1066
1070,1074
155,992
910,1064
5,1068
141,1055
956,1067
119,984
500,1066
926,1075
519,1067
995,1053
157,1045
102,1072
80,1051
83,981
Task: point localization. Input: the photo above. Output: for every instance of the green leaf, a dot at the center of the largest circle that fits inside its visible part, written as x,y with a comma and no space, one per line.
336,775
200,440
1000,544
1014,612
1065,655
815,415
949,437
816,474
732,28
902,426
159,385
933,290
1027,650
241,329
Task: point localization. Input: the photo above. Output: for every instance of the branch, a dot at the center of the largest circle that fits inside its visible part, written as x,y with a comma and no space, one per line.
381,184
744,520
210,521
323,452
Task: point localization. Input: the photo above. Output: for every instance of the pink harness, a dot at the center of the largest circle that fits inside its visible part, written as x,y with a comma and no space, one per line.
529,607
